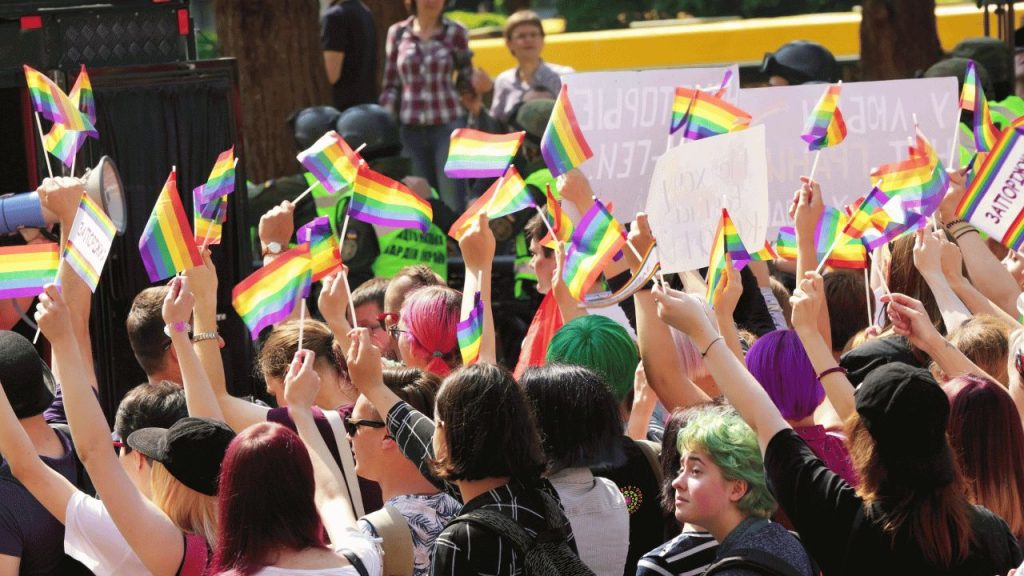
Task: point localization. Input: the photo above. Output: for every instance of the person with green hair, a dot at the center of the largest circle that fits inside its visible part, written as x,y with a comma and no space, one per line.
721,487
600,344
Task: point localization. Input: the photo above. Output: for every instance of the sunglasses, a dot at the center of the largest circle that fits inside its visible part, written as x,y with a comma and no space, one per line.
352,425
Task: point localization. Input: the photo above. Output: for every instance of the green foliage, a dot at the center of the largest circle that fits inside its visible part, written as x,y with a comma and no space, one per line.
206,45
473,20
583,15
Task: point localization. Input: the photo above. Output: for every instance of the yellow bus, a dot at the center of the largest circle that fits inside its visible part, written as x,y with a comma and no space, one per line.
724,42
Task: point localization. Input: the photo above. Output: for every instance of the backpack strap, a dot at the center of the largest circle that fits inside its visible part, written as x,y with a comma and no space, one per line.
652,452
356,563
752,559
499,524
394,530
348,464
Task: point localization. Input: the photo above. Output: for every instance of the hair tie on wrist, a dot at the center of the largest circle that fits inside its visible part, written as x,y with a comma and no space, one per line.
704,354
831,370
437,354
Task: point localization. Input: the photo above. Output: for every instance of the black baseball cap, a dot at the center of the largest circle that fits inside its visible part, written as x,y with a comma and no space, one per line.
26,379
191,450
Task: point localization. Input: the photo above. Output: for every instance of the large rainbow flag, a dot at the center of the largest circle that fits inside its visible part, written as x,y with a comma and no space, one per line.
270,294
563,145
596,240
89,242
377,199
983,185
470,332
825,127
323,246
701,115
167,245
511,197
334,163
50,101
26,269
476,154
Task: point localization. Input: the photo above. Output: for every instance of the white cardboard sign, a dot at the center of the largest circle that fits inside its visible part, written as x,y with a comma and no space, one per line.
690,185
625,116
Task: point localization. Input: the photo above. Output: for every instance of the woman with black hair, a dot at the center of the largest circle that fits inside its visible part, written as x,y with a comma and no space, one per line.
483,448
581,427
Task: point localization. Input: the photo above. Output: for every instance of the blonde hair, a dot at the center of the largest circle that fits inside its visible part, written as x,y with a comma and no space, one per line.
985,341
191,511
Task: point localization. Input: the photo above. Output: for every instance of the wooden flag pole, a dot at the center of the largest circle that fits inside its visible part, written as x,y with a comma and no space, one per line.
814,165
56,280
867,296
302,320
46,154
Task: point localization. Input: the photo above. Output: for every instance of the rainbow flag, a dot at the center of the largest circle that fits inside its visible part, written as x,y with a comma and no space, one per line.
596,240
785,243
26,269
830,225
167,245
334,163
983,185
89,241
377,199
208,217
972,98
766,254
725,244
561,224
919,182
470,331
270,294
825,127
222,178
63,143
563,145
733,243
510,198
50,101
323,247
476,154
705,115
82,96
868,214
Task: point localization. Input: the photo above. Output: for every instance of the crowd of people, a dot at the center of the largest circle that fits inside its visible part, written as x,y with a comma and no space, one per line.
794,428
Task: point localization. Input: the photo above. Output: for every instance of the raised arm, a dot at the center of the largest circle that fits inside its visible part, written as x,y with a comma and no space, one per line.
928,261
301,387
976,302
151,534
686,313
178,305
807,301
727,295
806,211
568,306
477,246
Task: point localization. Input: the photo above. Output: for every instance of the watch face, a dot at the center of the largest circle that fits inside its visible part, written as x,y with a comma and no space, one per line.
274,247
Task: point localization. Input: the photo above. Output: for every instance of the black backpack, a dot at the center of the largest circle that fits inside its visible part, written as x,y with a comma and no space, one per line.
753,560
547,554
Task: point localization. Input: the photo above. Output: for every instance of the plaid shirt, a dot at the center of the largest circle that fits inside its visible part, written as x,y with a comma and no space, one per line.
453,552
418,73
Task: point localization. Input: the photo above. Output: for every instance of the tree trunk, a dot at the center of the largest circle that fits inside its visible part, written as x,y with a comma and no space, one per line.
512,6
898,38
280,68
385,13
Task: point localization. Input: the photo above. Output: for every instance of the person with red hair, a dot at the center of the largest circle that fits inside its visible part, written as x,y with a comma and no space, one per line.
426,330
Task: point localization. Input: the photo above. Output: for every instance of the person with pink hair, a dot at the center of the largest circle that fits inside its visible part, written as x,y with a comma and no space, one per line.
426,330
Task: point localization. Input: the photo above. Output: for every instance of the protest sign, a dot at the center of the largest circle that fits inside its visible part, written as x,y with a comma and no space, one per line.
995,201
879,119
693,182
625,116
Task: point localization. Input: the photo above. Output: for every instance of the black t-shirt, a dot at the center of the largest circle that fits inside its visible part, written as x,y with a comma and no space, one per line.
347,27
831,521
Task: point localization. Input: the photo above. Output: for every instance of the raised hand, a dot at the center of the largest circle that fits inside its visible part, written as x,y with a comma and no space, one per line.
364,362
910,319
52,315
728,292
278,224
928,252
478,244
686,313
334,297
806,302
61,196
807,208
301,383
178,303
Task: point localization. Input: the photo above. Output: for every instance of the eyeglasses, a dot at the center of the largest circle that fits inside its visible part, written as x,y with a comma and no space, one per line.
352,425
395,331
1018,363
384,317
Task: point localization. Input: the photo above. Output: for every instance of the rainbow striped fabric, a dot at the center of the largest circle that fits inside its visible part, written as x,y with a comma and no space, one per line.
972,98
377,199
725,244
26,269
167,245
50,101
334,163
919,182
983,185
470,331
270,294
222,178
733,243
208,217
89,241
323,246
563,145
846,254
476,154
700,115
510,198
561,224
596,240
868,214
825,127
64,143
785,243
766,254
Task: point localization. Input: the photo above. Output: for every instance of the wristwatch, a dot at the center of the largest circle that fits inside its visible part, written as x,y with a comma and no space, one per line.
176,327
273,248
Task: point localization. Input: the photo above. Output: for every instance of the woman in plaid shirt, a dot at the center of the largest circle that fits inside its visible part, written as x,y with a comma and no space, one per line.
423,53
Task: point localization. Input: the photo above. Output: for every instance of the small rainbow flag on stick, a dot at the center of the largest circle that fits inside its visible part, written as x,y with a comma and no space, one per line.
596,240
476,154
222,178
825,127
972,98
50,101
377,199
323,246
561,224
511,197
701,115
208,217
470,331
89,241
563,145
63,143
270,294
167,245
25,270
726,244
334,163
